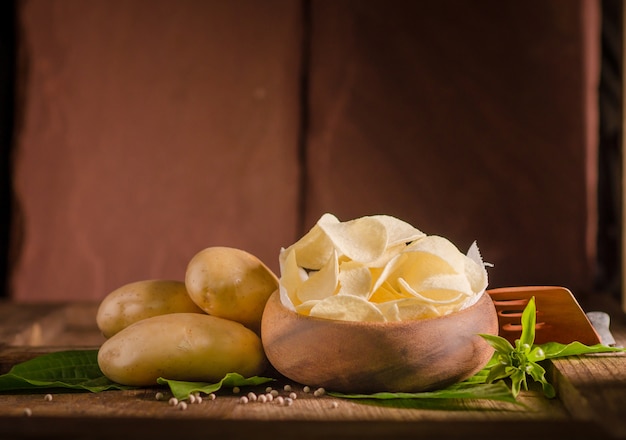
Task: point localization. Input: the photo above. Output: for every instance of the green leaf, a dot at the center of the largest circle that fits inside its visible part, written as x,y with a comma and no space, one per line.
518,379
529,317
496,391
71,369
496,372
538,373
500,344
555,350
182,389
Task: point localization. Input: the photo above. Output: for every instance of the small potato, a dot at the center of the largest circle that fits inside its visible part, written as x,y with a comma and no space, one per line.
230,283
181,346
140,300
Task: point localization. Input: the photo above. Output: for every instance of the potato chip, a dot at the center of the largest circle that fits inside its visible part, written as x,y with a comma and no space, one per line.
443,248
398,231
456,282
292,277
412,309
315,247
363,239
354,279
387,256
433,296
347,308
285,299
393,265
305,307
418,266
390,310
378,268
321,283
475,269
386,293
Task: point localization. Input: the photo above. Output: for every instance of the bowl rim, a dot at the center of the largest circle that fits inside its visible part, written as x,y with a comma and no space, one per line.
383,324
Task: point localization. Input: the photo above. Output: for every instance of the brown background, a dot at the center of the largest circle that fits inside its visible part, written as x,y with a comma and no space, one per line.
152,129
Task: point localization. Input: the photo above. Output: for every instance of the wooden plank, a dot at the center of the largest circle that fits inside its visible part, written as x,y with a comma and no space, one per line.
594,387
142,403
140,147
322,415
590,394
21,324
44,324
169,428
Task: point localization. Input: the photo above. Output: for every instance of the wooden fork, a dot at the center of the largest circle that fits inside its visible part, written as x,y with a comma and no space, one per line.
559,316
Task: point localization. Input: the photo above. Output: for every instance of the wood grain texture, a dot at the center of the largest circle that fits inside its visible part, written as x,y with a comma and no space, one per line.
594,388
463,119
366,357
151,130
590,396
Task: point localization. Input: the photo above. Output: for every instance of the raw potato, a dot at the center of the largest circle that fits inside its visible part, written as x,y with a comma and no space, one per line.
140,300
181,346
230,283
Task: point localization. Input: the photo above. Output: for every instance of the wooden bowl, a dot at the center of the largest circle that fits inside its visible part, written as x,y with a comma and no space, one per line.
367,357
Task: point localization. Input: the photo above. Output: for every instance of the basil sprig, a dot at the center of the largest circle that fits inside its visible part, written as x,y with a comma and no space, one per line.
520,362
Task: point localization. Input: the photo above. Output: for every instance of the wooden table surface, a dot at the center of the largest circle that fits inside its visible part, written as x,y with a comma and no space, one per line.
591,401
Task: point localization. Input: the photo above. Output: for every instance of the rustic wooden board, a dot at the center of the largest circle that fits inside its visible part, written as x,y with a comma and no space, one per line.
111,411
167,429
594,387
590,394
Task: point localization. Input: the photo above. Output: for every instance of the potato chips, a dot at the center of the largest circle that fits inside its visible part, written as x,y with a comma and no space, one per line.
378,268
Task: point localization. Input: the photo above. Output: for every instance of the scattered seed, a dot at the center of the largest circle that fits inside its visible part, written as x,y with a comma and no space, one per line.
288,401
262,398
268,389
252,397
306,389
243,399
287,388
319,392
269,397
293,396
182,406
274,393
173,401
192,398
236,390
28,412
334,405
212,396
158,396
198,399
48,397
280,400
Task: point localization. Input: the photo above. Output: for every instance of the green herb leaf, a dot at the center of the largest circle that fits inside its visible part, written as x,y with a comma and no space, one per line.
555,350
529,319
498,343
181,389
497,391
71,369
